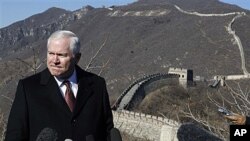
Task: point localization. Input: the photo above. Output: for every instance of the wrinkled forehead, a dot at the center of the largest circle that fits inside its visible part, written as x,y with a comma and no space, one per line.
65,40
61,44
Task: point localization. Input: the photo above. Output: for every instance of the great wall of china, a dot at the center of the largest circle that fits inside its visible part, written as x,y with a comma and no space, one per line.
146,126
158,128
126,97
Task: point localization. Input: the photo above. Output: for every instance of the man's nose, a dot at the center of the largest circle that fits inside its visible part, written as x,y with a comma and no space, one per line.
55,59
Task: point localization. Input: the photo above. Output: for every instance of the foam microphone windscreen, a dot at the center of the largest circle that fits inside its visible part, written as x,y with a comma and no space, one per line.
90,138
192,132
47,134
115,135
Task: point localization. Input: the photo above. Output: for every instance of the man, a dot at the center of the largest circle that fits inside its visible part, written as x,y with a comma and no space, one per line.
238,119
61,102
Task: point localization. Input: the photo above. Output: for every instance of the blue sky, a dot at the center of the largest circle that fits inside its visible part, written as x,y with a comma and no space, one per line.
242,3
15,10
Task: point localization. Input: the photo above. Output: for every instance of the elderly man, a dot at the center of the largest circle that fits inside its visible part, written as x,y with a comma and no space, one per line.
63,102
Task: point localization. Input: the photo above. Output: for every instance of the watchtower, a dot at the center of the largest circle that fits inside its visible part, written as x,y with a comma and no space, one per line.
185,75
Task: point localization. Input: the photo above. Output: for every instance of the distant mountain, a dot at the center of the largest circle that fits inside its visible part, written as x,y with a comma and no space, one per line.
142,38
25,33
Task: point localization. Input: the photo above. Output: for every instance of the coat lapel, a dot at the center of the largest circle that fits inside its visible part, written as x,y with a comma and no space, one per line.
54,93
84,89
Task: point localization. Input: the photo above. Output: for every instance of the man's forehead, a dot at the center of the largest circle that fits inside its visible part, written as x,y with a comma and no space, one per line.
61,52
59,46
60,41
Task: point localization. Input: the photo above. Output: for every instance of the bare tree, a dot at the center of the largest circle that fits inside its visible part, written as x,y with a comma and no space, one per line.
101,67
35,64
207,123
236,100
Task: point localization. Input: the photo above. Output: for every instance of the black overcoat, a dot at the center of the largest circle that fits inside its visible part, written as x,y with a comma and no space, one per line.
40,111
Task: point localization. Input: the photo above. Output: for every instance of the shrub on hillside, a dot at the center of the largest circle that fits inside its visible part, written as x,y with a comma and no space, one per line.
187,105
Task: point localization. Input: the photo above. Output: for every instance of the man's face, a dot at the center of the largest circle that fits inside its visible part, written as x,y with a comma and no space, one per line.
60,60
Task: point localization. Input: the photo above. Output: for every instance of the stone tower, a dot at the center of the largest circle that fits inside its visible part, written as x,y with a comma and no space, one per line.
185,75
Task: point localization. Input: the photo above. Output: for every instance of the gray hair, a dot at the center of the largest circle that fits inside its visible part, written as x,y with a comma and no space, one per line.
74,40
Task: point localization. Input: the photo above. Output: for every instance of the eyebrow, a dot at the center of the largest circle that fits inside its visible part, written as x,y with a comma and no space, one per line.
59,54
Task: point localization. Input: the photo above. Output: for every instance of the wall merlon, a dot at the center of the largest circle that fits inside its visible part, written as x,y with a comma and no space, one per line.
140,129
155,118
143,115
148,116
137,114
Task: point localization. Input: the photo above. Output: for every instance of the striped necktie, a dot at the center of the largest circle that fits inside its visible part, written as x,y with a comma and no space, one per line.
69,96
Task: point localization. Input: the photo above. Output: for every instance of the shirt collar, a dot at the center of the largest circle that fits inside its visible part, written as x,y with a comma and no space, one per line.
72,79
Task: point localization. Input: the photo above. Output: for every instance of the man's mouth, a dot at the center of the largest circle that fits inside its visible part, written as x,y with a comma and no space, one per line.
56,67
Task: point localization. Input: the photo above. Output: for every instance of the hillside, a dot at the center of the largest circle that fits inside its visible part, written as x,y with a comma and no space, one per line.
142,38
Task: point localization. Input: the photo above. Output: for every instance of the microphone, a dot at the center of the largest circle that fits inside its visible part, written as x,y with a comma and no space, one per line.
115,135
192,132
90,138
47,134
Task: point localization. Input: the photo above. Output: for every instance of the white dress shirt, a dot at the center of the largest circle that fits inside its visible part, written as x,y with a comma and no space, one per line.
73,81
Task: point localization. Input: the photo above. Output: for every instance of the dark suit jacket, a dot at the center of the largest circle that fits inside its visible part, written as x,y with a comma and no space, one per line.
39,105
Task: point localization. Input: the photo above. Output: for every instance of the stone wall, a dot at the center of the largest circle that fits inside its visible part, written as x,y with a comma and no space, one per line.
128,94
146,126
156,128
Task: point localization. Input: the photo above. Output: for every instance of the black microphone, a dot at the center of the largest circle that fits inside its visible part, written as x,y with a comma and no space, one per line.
47,134
90,138
115,135
192,132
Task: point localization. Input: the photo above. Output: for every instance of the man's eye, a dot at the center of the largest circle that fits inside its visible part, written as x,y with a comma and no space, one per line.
62,55
51,53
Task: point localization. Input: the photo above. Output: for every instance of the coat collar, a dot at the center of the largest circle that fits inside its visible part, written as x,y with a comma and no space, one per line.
82,76
45,76
85,89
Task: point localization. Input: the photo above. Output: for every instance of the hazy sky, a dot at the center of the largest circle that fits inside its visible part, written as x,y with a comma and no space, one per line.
15,10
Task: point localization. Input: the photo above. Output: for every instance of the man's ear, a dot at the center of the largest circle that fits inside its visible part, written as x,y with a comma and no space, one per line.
77,57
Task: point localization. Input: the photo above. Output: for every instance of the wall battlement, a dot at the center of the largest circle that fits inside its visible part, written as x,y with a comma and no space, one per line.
145,13
144,117
145,126
125,98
